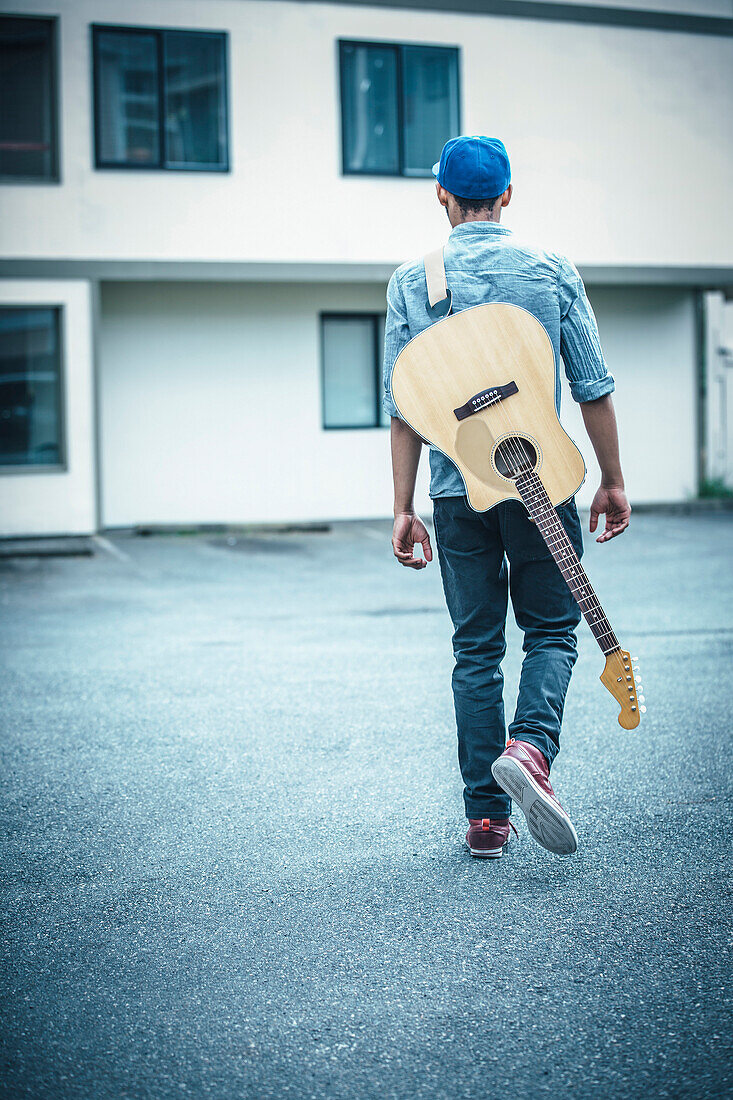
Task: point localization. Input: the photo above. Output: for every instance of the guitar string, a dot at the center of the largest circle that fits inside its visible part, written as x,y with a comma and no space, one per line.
534,493
537,494
561,538
554,532
594,613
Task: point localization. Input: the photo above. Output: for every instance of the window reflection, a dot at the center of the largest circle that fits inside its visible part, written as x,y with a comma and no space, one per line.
369,75
127,107
27,108
352,346
160,99
30,389
194,99
430,105
399,105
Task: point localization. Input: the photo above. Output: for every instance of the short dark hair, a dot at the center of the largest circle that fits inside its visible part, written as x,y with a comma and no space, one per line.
470,206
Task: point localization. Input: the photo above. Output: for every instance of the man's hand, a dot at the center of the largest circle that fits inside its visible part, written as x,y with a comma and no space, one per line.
409,529
612,503
610,500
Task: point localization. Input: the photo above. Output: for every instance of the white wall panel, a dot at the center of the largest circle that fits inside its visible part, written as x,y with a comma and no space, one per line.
211,404
211,407
649,340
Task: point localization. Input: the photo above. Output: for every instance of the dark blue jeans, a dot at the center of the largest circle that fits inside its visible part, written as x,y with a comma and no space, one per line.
484,557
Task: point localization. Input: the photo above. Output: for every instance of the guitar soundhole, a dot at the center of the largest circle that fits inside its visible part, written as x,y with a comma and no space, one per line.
515,456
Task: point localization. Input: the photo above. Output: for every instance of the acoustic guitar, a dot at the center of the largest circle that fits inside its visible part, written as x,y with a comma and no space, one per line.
480,386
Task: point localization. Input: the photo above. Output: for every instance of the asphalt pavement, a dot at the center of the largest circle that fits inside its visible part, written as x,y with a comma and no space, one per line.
232,833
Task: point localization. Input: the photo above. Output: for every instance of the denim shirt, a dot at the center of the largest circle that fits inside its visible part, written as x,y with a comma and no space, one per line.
485,262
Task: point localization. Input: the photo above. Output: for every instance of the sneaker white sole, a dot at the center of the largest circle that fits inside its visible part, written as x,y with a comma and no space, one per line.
547,822
486,853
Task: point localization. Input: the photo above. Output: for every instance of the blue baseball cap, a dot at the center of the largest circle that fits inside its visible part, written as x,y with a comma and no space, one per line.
474,167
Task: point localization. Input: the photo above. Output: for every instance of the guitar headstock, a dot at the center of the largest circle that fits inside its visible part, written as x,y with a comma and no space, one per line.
621,678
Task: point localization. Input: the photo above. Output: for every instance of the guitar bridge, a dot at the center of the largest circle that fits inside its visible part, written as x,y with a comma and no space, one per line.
484,399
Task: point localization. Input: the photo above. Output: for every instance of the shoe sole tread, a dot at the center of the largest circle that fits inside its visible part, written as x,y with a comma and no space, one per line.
549,825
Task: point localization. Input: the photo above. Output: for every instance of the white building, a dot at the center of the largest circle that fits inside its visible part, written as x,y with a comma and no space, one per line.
197,230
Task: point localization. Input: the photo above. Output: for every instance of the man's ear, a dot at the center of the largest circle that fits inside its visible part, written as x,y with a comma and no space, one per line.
442,195
506,198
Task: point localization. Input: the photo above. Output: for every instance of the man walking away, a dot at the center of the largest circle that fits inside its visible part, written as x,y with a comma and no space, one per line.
488,557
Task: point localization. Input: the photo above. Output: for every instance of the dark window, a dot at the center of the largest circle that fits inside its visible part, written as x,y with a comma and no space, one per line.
28,99
30,387
399,105
352,370
160,99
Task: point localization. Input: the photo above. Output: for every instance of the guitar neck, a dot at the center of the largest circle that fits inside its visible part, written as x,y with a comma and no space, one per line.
540,508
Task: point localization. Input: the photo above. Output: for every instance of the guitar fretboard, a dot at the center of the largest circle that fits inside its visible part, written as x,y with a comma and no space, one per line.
540,508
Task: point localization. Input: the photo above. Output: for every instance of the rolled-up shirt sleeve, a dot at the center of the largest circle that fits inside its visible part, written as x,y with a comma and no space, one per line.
396,335
580,344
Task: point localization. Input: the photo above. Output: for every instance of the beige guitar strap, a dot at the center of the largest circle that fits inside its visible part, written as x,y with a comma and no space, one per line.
435,278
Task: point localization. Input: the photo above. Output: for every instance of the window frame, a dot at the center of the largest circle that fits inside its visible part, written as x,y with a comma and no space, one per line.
97,30
62,466
55,118
399,48
354,315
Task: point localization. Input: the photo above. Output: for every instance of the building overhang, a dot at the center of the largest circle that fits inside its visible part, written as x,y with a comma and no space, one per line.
714,277
664,17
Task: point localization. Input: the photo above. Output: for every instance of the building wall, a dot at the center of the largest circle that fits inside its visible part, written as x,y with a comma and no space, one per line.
211,404
59,502
210,400
211,407
616,134
649,338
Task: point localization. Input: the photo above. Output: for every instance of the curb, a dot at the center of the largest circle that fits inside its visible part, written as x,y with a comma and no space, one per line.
70,546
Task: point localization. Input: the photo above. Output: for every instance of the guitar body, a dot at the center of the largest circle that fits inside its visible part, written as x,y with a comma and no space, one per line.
480,386
473,351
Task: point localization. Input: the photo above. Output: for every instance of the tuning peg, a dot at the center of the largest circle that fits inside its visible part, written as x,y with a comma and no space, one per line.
643,710
634,658
641,698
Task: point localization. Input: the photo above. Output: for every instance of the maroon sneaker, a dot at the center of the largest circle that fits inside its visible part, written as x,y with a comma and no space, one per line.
487,837
523,773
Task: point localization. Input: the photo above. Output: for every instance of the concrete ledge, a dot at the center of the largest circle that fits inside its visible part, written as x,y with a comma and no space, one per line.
608,14
686,507
57,547
149,530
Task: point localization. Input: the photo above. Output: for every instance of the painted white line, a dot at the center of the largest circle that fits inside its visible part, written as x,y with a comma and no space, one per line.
110,548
